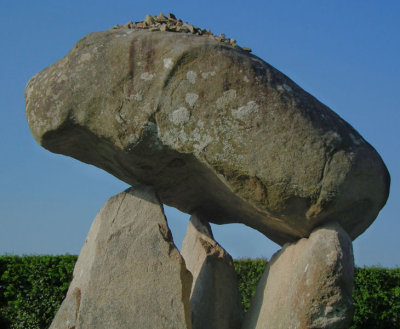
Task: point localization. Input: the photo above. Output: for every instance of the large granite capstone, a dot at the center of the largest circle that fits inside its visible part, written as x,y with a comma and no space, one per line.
214,129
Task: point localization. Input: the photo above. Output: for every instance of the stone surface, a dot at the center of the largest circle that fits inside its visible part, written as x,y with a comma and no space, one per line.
129,273
214,299
213,128
306,285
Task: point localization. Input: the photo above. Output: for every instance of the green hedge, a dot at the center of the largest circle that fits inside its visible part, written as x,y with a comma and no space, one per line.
249,271
376,298
376,293
32,288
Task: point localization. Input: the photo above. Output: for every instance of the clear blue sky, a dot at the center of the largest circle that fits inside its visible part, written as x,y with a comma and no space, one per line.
345,53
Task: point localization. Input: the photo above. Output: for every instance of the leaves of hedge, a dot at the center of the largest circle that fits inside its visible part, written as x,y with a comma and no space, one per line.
33,287
249,272
376,298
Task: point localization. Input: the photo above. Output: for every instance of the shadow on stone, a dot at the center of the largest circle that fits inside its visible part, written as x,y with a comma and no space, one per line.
214,300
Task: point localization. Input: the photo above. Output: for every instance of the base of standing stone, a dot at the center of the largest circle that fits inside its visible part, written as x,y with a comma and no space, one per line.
129,273
307,284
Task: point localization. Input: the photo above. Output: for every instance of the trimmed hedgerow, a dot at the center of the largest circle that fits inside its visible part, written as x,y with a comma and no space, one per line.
376,298
33,287
249,272
376,293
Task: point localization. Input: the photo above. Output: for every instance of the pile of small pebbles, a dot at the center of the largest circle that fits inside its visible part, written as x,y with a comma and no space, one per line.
172,24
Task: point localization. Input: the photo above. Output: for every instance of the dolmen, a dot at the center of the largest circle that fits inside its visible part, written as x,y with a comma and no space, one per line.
196,122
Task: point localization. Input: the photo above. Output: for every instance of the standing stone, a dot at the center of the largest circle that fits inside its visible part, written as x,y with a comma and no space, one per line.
214,300
307,284
129,273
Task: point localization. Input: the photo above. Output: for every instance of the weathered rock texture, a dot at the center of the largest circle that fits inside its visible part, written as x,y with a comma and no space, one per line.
129,273
214,299
306,285
213,128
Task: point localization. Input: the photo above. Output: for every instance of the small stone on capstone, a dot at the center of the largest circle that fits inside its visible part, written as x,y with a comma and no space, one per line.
247,49
190,27
185,28
161,19
171,16
140,25
128,25
149,20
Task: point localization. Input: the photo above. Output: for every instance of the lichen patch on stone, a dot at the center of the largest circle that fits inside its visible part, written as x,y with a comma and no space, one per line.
355,140
287,87
191,99
85,57
179,116
205,75
228,96
191,76
147,76
138,97
168,63
243,112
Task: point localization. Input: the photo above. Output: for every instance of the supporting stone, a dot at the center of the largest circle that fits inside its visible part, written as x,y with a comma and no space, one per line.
307,284
214,300
129,273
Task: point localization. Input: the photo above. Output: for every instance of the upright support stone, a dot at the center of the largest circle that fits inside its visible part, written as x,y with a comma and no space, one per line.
307,284
214,300
129,273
